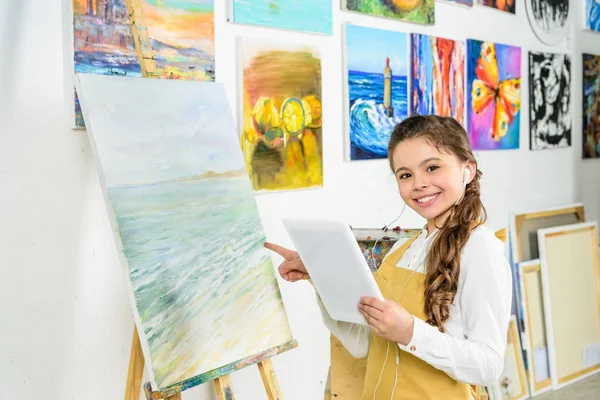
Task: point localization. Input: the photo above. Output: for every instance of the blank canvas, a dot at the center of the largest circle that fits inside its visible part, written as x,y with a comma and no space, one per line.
534,339
571,287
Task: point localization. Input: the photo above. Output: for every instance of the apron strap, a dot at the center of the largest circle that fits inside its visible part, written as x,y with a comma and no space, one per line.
394,257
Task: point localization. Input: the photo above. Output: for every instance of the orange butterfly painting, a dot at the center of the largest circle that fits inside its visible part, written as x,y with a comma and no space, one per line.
493,95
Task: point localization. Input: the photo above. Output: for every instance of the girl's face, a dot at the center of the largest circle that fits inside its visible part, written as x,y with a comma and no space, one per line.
430,181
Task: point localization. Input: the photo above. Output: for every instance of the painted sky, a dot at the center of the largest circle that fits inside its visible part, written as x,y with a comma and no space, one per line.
181,23
184,134
368,48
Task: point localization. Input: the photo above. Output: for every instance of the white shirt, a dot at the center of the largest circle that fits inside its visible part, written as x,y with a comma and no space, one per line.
472,348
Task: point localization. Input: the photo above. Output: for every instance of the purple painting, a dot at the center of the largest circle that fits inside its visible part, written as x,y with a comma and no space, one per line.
493,95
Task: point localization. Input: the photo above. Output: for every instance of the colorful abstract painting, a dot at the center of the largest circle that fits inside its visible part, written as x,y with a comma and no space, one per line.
591,106
550,111
377,88
417,11
282,118
176,39
314,16
493,95
203,288
502,5
592,15
437,76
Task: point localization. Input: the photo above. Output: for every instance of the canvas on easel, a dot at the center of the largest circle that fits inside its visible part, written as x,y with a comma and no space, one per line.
203,289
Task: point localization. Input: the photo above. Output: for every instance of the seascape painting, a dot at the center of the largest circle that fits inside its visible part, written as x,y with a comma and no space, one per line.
182,37
282,130
312,16
377,88
493,95
437,76
203,288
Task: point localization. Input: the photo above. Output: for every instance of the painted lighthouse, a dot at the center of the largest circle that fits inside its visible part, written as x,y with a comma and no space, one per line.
387,89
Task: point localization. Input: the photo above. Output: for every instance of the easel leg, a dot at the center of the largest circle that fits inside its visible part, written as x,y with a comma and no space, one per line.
223,386
136,369
176,396
269,379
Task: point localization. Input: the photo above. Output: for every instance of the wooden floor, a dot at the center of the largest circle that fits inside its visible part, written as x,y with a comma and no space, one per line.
587,389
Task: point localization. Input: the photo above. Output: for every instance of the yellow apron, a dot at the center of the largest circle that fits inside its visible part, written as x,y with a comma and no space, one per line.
416,379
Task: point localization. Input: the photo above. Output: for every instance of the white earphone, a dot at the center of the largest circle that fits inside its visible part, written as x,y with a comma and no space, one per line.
467,176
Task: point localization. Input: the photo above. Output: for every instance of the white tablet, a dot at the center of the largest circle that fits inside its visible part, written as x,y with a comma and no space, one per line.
336,265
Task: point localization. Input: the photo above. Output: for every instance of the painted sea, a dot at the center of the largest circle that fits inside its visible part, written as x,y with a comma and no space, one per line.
180,239
301,15
370,126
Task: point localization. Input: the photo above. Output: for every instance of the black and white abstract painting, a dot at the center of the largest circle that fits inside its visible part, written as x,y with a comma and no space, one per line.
549,19
549,100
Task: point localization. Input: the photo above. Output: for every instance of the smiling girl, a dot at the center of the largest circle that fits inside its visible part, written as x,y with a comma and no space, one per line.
442,326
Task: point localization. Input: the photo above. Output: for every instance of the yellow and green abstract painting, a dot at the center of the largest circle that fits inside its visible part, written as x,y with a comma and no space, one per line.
282,115
417,11
203,288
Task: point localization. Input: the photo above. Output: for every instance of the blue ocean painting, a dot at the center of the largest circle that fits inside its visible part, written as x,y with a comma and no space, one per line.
592,15
313,16
202,285
372,53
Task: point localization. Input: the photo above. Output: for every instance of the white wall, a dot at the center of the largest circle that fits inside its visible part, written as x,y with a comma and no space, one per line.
66,324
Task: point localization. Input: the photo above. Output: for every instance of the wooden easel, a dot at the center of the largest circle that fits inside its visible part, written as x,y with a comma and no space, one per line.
222,384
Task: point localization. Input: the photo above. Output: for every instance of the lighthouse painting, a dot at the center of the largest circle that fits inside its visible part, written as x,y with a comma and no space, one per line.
377,65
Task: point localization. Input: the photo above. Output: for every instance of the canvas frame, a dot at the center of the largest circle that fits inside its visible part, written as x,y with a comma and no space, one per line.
592,227
513,334
536,388
516,221
188,383
346,89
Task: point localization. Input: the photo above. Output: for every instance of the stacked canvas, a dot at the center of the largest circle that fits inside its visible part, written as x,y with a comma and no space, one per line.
556,273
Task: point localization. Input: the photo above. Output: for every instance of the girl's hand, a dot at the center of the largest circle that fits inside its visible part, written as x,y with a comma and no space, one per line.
387,319
292,269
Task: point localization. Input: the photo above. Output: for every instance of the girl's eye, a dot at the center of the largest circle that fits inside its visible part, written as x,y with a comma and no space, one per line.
404,176
432,168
